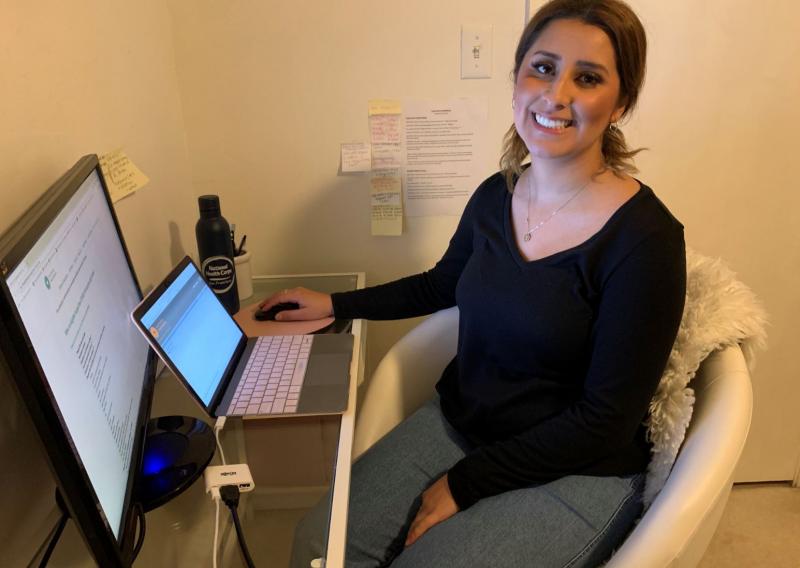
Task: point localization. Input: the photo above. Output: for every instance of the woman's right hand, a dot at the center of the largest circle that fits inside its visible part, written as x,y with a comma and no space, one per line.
313,305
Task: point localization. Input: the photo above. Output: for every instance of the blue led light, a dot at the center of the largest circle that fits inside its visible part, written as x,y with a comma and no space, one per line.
155,462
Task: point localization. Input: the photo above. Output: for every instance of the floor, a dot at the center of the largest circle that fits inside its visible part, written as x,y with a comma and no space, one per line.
760,527
277,528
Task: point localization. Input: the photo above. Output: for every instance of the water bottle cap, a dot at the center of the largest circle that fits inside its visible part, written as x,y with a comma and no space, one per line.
209,205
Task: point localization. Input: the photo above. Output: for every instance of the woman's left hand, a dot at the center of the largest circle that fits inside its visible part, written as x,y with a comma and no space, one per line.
437,505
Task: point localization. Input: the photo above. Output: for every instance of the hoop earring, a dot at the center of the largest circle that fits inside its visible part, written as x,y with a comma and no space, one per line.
613,128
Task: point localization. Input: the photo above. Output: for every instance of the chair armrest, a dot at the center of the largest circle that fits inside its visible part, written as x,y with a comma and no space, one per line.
404,379
678,527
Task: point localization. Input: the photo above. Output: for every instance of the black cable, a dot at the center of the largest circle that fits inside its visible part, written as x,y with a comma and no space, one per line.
142,530
62,522
59,528
246,553
230,494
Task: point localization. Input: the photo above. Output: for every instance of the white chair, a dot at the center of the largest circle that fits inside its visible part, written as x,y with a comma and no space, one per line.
676,529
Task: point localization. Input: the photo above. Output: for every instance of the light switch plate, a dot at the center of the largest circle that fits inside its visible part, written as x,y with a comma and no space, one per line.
476,51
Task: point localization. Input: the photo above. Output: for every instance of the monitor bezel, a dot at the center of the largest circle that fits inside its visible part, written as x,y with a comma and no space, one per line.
36,395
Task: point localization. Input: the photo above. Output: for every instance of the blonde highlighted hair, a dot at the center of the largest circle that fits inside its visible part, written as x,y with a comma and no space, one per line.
629,41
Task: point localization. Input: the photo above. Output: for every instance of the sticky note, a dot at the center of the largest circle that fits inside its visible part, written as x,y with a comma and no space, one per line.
385,129
386,203
356,157
386,156
121,175
384,106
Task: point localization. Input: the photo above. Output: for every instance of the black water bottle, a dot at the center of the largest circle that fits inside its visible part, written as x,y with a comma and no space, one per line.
215,247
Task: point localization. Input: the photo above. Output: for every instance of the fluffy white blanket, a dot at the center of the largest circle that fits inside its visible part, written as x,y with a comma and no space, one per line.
719,311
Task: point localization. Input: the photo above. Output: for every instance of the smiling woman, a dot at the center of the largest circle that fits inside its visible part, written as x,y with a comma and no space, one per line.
569,276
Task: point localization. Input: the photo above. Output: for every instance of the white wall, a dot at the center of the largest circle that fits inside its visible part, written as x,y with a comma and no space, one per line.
88,77
721,118
78,78
270,90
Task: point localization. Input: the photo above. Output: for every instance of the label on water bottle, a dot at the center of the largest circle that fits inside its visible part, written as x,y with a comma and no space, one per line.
218,272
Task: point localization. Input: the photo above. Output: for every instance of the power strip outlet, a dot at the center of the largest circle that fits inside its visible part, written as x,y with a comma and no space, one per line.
217,476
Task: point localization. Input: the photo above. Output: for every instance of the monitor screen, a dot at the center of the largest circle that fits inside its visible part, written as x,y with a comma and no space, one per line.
72,287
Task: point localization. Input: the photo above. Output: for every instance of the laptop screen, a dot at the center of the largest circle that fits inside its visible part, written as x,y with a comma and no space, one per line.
194,330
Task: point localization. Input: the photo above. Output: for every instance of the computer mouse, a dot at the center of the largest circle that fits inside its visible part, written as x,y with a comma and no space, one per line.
269,315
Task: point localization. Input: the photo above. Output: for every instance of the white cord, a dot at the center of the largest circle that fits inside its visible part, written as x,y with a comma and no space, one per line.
216,528
218,426
219,447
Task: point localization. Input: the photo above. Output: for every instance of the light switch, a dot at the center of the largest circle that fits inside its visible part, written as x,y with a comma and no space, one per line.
476,51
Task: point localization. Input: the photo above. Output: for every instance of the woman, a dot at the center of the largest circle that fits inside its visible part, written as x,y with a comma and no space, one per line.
570,277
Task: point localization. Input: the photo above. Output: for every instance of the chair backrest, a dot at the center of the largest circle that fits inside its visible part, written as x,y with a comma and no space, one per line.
678,526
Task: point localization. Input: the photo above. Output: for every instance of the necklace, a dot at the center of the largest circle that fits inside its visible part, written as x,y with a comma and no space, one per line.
528,235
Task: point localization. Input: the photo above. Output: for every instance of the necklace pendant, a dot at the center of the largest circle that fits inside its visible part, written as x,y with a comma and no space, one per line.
527,237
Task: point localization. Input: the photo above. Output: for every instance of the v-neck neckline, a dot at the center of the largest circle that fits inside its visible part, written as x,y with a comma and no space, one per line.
513,245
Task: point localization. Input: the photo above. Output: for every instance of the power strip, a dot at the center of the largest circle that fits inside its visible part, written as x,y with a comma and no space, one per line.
217,476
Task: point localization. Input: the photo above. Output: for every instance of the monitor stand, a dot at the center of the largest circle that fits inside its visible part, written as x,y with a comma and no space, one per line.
176,451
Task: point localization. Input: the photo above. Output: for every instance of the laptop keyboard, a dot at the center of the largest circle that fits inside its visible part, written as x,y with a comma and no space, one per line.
273,377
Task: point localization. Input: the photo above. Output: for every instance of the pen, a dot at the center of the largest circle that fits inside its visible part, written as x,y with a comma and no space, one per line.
241,245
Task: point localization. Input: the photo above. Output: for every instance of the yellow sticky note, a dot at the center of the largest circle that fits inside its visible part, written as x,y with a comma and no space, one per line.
121,175
384,106
386,203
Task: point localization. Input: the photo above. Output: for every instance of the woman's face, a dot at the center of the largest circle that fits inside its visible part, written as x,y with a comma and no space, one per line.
567,91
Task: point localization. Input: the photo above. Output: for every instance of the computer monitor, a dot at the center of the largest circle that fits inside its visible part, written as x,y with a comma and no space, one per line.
82,369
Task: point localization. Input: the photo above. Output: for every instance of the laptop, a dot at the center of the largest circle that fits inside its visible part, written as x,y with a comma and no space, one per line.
225,372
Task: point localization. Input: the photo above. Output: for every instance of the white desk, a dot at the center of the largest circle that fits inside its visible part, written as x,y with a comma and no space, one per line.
180,533
337,532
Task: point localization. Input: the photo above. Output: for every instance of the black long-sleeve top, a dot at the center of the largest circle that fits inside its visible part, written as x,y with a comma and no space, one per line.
558,357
